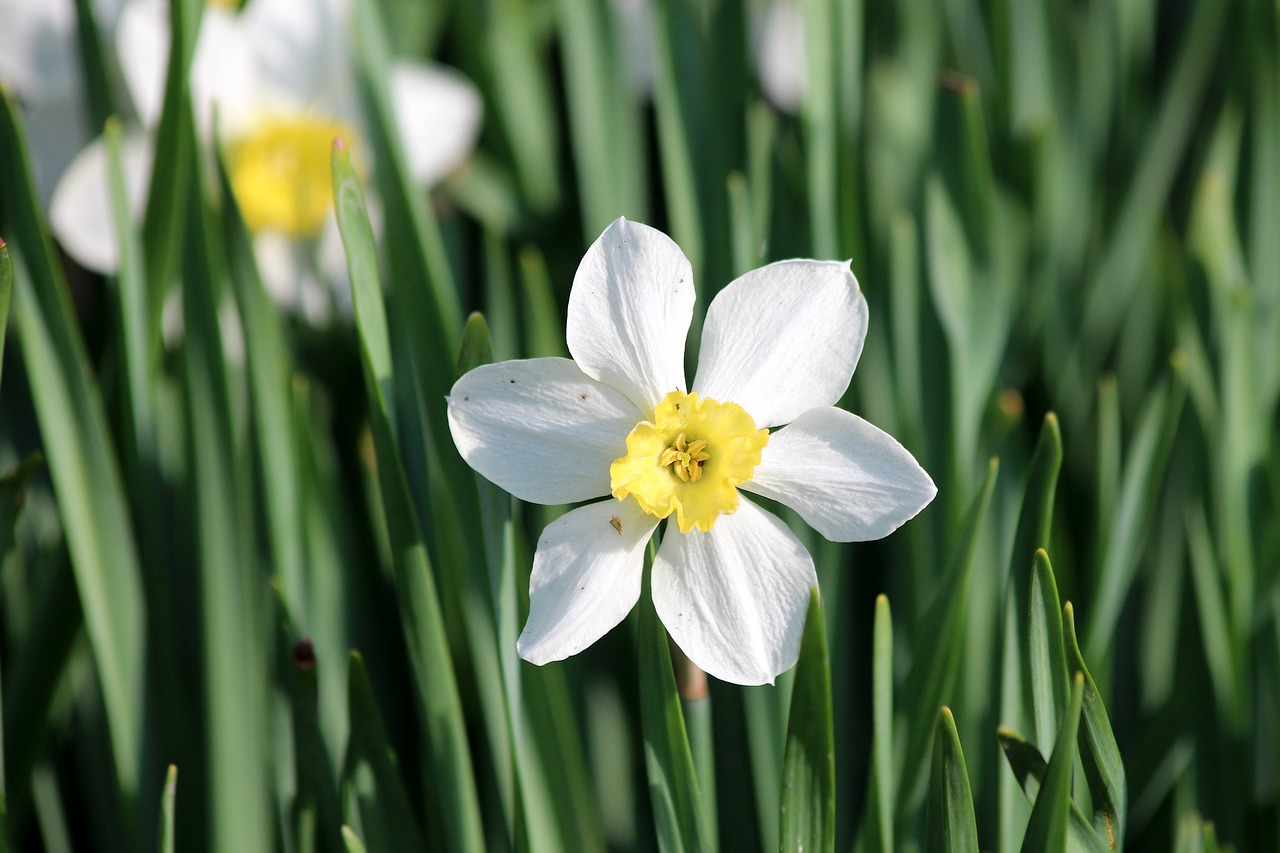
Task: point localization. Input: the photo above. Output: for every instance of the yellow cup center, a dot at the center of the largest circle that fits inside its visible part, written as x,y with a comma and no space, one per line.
281,176
689,460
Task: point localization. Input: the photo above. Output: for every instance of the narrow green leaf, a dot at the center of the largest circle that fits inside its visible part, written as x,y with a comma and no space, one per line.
171,174
268,369
1044,651
316,808
93,66
6,290
1030,535
1029,767
168,802
352,841
13,495
457,809
673,782
934,669
1103,765
371,772
1050,816
1146,460
82,462
233,595
950,826
808,819
881,804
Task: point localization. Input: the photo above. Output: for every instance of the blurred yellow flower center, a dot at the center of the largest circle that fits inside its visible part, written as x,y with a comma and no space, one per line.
689,460
280,174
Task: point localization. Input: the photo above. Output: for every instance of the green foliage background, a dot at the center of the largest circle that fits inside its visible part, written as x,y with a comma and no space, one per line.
278,576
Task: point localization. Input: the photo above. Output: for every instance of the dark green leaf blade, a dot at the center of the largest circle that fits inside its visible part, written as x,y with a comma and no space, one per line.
1046,657
371,773
1050,816
1029,767
457,807
808,820
950,826
673,782
1099,753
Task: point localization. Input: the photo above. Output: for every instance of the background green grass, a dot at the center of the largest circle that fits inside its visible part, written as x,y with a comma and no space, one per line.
278,576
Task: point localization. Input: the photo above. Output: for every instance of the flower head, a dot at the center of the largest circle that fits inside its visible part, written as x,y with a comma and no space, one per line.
730,581
280,75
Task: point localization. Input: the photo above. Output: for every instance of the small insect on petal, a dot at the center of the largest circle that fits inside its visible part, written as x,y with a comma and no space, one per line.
616,523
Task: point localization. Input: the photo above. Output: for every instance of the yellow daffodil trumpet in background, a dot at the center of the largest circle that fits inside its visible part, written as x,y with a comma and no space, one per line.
730,580
280,76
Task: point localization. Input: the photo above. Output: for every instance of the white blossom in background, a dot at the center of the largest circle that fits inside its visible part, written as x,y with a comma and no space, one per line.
730,580
40,63
280,76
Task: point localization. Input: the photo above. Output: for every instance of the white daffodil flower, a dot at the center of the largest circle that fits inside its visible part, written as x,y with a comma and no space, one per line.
279,74
730,581
40,63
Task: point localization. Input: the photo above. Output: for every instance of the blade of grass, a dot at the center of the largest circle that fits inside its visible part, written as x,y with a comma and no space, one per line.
808,815
1099,753
881,804
371,774
232,586
168,801
1030,535
673,782
1029,767
950,826
457,809
934,669
1047,830
82,462
1044,650
6,290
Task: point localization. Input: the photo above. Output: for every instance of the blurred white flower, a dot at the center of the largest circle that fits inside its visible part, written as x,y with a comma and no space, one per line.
40,62
280,76
730,581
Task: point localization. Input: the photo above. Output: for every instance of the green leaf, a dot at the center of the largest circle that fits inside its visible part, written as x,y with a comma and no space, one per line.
808,820
1050,816
932,675
168,801
171,173
352,841
673,782
371,773
233,596
82,461
950,826
13,495
1031,535
457,810
880,799
1103,765
1029,768
1044,650
6,290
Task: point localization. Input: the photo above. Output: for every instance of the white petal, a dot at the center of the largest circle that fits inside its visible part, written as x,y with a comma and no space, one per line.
734,599
56,133
142,43
540,429
80,213
301,50
782,59
223,75
849,480
586,578
438,111
783,339
629,312
38,54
